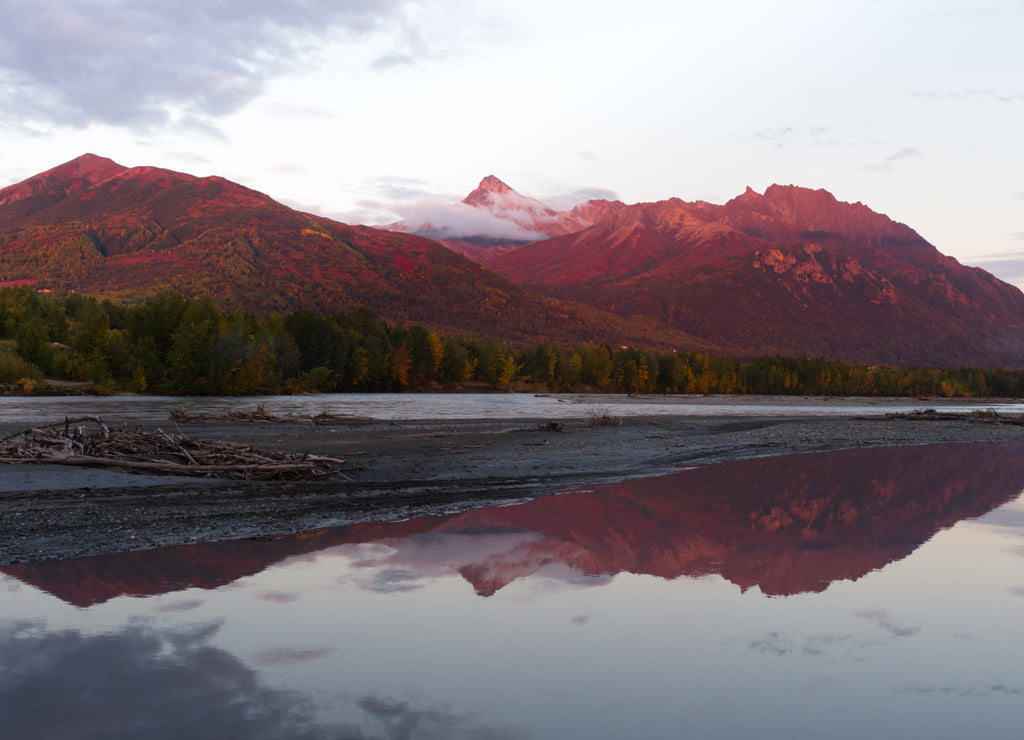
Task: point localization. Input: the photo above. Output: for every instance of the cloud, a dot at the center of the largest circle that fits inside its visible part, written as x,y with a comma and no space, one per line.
279,597
393,188
162,684
826,645
390,61
287,168
138,682
881,618
294,110
190,157
887,164
569,200
291,656
965,692
971,95
787,136
395,580
401,720
442,219
124,63
185,605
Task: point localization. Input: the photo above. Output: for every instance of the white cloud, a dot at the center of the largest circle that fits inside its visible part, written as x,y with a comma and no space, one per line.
784,137
118,62
893,159
567,201
442,219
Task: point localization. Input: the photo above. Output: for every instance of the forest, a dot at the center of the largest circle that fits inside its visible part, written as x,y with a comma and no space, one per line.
169,344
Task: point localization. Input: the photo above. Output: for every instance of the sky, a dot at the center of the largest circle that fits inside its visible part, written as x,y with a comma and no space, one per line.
370,110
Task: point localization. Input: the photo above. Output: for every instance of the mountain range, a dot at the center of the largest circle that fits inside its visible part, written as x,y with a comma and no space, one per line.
94,226
791,271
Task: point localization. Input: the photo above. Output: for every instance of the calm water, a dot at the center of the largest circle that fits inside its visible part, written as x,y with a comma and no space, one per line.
443,406
865,593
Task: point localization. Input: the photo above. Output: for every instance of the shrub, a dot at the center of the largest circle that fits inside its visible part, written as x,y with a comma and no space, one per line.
13,368
601,419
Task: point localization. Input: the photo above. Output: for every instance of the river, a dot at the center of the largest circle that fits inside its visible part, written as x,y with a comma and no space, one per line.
851,594
448,406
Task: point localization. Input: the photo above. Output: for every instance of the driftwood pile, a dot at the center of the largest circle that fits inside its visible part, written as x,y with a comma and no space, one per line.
87,441
259,416
988,416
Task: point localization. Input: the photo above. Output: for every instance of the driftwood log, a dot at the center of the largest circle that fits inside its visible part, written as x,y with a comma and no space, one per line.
260,416
988,416
88,441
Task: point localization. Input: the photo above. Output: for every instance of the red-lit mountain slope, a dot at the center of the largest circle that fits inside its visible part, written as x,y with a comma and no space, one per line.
793,271
96,227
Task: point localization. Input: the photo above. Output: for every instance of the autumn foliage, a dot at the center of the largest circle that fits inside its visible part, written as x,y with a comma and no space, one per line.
174,345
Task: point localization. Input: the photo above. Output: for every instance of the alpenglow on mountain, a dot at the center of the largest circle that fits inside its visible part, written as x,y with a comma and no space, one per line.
97,227
791,271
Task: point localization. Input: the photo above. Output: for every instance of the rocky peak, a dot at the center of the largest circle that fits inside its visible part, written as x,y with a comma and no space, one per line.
58,182
488,185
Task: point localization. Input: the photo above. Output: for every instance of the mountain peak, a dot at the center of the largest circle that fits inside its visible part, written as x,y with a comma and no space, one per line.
484,194
801,214
493,185
56,183
90,167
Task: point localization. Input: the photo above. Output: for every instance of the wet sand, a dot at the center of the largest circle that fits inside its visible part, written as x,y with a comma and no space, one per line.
408,469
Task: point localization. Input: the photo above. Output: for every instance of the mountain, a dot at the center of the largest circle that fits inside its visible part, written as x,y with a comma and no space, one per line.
491,220
94,226
786,525
536,218
793,271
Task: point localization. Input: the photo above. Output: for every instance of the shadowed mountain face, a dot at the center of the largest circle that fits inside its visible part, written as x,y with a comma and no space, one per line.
792,271
94,226
786,525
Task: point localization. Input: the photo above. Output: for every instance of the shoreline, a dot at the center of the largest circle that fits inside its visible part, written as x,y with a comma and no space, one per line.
409,469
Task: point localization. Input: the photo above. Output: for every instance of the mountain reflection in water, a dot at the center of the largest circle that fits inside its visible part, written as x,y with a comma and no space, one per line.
787,525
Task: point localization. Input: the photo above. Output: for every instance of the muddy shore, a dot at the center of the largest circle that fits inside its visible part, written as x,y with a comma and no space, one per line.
406,469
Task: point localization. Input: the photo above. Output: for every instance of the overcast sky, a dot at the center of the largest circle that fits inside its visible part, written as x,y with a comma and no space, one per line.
364,110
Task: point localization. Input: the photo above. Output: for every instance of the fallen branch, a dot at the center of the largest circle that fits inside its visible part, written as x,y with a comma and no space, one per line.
158,453
988,416
260,416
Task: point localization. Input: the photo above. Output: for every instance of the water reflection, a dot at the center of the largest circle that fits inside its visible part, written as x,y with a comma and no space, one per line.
562,617
141,681
785,525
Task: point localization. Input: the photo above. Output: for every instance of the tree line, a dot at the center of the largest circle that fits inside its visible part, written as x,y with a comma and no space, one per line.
174,345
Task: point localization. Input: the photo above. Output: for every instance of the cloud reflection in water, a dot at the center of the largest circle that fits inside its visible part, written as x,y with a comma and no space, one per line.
140,681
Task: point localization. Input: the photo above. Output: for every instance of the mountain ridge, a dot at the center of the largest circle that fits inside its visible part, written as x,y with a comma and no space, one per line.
791,271
91,225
